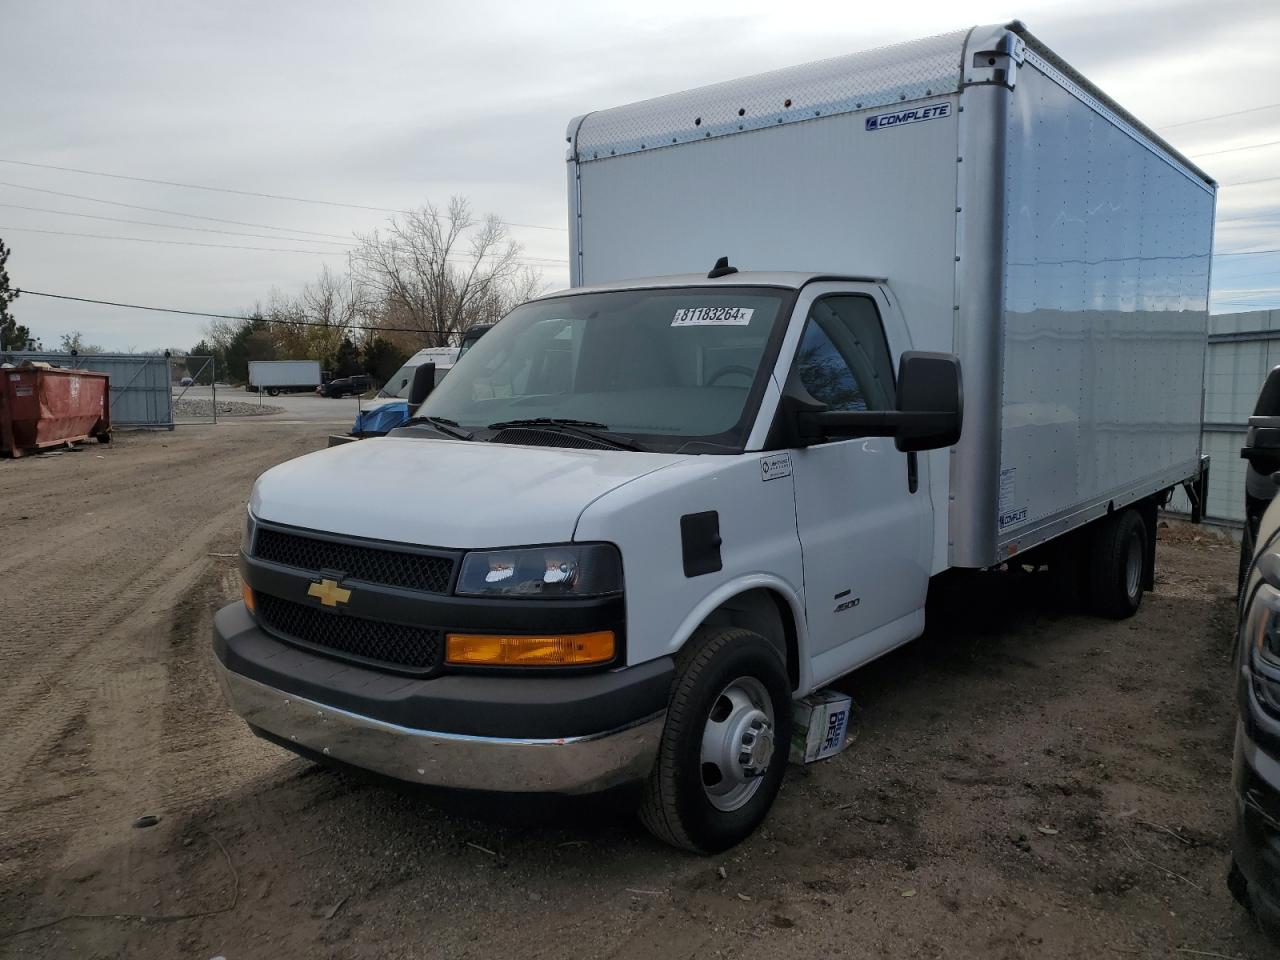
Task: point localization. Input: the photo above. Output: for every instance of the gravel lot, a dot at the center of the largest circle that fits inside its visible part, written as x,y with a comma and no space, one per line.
1023,784
195,406
189,408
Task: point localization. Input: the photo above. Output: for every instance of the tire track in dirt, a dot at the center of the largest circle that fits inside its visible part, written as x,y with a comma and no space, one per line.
80,601
94,657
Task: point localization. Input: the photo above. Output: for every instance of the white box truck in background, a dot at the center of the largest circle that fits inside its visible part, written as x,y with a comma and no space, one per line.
963,323
284,376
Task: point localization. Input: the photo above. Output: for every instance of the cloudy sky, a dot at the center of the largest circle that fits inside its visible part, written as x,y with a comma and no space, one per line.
377,107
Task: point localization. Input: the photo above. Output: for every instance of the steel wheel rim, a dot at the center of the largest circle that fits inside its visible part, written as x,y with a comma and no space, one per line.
737,744
1133,565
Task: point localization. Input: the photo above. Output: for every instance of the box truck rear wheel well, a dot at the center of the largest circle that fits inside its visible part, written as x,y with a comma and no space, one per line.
765,612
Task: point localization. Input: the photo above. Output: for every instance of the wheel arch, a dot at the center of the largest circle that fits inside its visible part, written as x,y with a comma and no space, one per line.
761,603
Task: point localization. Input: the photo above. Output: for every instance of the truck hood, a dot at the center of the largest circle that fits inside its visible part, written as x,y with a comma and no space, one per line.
446,493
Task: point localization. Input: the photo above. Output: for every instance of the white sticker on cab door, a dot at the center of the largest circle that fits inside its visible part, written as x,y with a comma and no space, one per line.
775,466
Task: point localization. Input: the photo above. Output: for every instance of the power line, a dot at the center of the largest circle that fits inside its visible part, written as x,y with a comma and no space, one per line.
1245,183
171,226
1219,278
180,243
172,213
1260,215
1220,116
529,261
1252,146
249,193
526,261
227,316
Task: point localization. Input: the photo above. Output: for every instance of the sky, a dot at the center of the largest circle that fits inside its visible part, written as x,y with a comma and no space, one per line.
386,105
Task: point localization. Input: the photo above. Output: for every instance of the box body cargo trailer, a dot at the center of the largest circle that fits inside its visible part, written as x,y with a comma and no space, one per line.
1021,219
284,376
833,331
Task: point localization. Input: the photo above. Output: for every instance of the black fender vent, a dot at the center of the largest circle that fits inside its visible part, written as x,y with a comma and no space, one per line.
700,543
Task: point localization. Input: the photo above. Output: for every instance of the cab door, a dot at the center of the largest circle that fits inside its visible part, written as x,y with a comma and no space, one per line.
862,507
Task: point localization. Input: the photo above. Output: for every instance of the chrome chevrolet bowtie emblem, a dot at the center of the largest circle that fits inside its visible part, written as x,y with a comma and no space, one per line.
328,593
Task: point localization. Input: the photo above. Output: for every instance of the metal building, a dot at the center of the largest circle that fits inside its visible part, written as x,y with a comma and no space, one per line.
141,384
1242,348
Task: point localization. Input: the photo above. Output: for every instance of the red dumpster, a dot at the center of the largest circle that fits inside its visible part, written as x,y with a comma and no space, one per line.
49,406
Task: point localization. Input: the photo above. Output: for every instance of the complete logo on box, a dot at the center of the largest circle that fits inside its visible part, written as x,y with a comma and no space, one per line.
934,111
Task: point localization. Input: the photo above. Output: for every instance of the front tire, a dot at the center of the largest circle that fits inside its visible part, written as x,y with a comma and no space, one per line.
1117,565
724,747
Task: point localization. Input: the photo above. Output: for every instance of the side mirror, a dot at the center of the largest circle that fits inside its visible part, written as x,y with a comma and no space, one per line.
931,397
424,381
929,414
1262,442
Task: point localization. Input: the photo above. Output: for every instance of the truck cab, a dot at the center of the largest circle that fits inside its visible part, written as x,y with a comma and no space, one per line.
707,482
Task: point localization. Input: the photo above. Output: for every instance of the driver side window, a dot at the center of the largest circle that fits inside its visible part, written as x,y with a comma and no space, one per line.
843,359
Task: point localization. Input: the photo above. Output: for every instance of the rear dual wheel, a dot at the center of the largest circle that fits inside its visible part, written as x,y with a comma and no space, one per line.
1117,559
724,747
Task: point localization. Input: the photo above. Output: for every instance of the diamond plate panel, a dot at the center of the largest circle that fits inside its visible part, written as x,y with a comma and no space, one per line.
856,81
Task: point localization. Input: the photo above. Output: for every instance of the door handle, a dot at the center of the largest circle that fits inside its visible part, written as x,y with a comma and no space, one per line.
913,472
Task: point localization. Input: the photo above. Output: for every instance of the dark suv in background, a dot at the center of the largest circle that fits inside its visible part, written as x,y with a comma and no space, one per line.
347,386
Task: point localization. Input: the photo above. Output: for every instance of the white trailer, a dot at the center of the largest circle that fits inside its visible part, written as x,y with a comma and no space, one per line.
957,317
284,376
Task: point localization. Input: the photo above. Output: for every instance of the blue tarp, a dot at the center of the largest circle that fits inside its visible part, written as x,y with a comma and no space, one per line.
381,419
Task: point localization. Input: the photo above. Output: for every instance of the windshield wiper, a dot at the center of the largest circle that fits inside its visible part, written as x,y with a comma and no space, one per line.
449,428
582,428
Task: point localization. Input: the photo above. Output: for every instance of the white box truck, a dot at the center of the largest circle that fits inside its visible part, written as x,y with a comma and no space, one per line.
956,319
284,376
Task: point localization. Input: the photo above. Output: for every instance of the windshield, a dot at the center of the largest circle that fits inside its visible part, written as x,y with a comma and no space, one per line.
665,367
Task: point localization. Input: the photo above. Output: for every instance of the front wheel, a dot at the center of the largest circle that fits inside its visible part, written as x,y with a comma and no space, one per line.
724,747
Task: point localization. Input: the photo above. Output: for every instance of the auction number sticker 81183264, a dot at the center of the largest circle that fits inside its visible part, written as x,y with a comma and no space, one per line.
713,317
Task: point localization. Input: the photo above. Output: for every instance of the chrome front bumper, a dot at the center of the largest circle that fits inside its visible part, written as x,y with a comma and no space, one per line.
569,765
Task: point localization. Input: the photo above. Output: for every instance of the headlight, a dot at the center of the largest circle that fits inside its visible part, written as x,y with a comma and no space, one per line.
569,570
246,537
1262,626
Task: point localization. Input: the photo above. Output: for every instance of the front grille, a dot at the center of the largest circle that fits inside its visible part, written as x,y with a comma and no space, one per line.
393,568
414,649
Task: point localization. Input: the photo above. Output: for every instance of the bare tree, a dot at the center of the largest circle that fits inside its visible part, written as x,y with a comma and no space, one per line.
314,323
441,273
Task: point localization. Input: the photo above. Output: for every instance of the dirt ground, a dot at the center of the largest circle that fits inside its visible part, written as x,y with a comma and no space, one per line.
1023,784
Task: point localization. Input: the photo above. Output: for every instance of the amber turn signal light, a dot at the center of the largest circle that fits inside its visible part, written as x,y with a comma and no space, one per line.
246,592
570,650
